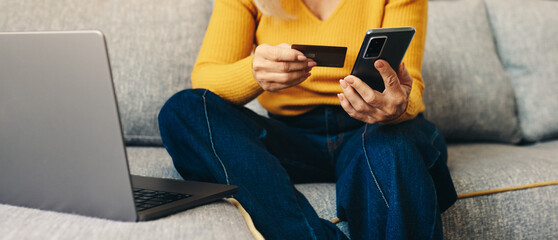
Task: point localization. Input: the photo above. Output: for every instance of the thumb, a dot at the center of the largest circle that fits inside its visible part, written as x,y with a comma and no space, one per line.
284,45
391,81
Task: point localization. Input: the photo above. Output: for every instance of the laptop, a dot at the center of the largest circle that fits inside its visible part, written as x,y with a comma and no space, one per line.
61,140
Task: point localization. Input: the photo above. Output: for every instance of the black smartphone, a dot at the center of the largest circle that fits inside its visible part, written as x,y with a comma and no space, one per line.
389,44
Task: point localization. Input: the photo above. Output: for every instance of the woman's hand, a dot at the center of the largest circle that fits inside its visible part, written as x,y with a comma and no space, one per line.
368,105
279,67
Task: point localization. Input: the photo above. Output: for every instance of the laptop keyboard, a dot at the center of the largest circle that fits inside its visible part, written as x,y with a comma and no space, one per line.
146,198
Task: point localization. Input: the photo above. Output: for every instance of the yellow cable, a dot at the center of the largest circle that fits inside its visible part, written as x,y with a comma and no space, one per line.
335,220
257,235
506,189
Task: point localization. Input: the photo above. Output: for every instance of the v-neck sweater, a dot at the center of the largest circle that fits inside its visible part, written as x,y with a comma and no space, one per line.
224,64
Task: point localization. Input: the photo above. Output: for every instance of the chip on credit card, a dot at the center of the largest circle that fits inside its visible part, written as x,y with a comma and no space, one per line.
324,56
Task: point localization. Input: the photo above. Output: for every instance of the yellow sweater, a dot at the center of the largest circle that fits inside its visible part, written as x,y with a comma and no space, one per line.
224,64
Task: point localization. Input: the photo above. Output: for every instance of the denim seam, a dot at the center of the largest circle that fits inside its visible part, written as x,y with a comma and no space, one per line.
434,136
211,137
370,166
432,140
436,209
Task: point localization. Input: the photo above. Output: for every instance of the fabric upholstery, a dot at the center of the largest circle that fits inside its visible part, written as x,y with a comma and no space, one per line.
524,214
467,95
152,45
528,49
477,167
151,161
220,220
155,162
474,167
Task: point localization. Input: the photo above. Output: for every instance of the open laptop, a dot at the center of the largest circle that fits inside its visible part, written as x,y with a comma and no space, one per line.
61,141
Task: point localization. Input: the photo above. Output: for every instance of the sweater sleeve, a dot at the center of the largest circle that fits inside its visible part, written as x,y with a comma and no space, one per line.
400,13
224,64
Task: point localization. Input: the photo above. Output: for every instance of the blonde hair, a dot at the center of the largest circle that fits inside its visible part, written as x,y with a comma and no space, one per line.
272,8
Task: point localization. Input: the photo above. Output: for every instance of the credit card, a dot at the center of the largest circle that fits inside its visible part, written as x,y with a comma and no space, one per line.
324,56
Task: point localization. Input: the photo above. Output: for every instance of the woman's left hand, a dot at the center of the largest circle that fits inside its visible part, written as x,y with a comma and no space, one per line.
368,105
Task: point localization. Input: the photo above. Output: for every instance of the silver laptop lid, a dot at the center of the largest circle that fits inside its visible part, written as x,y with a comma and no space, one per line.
61,145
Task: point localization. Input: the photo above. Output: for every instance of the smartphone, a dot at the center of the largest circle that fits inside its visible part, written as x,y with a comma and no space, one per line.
389,44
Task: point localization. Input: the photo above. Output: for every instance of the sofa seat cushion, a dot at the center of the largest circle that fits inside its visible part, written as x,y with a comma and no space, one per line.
474,167
478,167
152,162
220,220
507,215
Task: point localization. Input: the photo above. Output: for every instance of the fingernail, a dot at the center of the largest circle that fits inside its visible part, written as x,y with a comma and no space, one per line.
340,96
343,83
312,64
379,64
301,58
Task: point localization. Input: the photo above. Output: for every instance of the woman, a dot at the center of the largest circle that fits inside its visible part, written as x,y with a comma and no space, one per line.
389,164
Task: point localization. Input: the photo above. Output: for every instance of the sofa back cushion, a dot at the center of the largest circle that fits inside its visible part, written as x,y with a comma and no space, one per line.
468,94
527,39
152,45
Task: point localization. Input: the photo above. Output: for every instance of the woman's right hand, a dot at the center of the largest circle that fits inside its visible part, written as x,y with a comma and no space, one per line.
279,67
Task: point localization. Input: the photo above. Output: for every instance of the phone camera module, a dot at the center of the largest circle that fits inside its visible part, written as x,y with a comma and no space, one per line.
375,47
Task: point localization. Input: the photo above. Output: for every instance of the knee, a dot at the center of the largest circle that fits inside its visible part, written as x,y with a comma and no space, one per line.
407,146
185,99
180,105
386,139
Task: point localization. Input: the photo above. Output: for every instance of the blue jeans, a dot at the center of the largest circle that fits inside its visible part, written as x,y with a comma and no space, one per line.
392,180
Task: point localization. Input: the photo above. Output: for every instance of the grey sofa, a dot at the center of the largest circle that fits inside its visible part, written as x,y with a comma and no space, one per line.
491,70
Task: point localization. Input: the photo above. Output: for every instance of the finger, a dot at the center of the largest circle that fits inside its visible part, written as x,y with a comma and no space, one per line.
376,112
301,79
346,105
272,85
286,78
283,52
405,78
391,81
295,81
278,53
280,67
354,98
369,95
300,57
